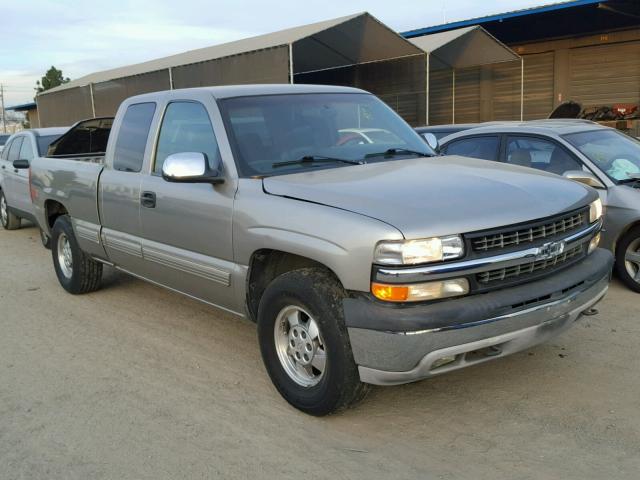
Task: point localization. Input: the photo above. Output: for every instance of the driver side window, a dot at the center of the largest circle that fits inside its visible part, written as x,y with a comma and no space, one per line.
26,151
186,127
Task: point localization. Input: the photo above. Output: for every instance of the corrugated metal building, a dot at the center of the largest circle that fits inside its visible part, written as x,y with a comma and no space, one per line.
582,50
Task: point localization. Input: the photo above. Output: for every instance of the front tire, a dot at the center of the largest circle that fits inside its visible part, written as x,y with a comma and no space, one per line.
305,344
77,273
628,259
9,220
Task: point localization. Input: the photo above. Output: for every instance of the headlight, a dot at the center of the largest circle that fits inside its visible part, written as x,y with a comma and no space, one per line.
595,211
411,252
418,292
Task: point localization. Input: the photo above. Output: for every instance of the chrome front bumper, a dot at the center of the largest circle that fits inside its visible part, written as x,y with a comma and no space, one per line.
387,357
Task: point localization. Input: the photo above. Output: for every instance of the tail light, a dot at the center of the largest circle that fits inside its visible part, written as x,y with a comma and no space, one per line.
32,191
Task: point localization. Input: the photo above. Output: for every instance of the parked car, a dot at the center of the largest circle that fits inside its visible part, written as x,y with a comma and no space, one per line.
15,198
587,152
3,140
367,135
434,133
360,264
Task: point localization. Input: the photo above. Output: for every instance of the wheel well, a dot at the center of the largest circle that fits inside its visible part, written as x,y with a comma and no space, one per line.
53,210
265,266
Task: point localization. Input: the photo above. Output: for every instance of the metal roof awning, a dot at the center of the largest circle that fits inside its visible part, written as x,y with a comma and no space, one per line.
343,41
24,107
465,47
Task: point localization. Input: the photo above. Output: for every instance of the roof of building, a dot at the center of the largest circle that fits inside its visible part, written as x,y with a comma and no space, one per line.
554,20
465,47
23,107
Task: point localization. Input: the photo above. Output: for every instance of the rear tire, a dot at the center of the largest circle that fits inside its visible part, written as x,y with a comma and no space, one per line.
313,298
77,273
9,220
628,259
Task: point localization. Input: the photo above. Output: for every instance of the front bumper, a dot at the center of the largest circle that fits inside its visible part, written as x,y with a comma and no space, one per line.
400,344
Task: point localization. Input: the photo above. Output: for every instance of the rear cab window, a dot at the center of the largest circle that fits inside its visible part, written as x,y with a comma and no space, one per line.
132,137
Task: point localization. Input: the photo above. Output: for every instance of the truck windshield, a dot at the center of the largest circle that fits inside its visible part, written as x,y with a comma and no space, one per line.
615,153
282,130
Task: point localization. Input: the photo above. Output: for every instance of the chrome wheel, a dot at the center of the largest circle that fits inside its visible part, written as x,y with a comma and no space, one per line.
299,345
3,210
632,260
65,257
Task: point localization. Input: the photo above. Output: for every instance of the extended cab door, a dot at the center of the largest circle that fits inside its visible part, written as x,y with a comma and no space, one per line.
119,194
186,227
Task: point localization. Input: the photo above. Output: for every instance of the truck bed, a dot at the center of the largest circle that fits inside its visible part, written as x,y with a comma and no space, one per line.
73,182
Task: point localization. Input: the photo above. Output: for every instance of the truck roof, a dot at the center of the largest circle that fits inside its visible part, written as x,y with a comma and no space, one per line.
229,91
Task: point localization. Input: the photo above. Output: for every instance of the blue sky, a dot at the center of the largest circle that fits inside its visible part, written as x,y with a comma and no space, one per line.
81,37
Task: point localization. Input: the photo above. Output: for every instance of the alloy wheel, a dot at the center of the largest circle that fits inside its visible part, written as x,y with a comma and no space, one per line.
632,260
65,257
299,345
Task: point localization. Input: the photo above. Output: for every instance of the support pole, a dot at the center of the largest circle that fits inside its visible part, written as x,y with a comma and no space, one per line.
4,113
171,78
291,63
453,95
426,106
38,112
93,103
521,89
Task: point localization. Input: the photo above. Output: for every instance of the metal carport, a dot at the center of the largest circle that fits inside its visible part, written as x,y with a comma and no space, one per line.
464,48
302,55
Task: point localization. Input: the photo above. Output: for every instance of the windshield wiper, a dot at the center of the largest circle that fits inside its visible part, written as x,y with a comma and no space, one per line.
316,159
397,151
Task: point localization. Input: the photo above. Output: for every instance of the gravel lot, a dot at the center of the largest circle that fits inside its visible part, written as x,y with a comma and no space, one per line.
137,382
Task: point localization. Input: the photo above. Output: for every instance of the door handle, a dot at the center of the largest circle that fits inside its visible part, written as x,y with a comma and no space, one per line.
148,199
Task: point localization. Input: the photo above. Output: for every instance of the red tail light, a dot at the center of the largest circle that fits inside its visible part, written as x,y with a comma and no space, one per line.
32,191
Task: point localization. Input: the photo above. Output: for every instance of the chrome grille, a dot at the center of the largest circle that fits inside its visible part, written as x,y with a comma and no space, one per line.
511,238
501,274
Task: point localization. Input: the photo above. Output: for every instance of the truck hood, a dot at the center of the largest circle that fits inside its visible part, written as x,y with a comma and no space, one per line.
436,196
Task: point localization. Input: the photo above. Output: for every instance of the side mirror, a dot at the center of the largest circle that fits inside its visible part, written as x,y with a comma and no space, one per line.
432,140
21,164
191,167
581,176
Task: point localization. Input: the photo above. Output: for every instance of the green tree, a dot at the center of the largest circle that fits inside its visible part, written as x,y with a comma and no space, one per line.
51,79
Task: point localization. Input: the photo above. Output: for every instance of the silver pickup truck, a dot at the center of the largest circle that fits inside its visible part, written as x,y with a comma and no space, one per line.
362,262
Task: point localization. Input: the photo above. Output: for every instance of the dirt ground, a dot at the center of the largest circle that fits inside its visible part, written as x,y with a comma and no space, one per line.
135,382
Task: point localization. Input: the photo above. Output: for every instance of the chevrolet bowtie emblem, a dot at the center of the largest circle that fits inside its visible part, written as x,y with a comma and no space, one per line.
550,250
